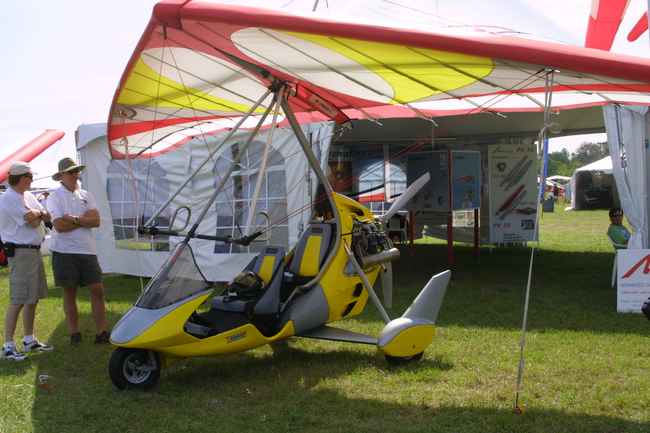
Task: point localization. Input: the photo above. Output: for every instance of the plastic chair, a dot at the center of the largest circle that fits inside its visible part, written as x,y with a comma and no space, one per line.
617,247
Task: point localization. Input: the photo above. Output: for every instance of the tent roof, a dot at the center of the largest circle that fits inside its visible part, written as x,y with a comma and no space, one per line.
604,165
199,62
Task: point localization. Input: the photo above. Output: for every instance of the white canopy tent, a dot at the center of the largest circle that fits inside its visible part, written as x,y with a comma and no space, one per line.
592,184
628,130
604,165
120,250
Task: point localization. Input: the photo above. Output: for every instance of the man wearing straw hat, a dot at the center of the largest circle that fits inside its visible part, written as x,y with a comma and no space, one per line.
74,254
21,229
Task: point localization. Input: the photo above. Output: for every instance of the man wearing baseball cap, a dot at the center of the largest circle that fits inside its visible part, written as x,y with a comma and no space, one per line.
21,230
74,254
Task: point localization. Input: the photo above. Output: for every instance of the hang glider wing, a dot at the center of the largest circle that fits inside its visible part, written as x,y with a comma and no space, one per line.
30,150
201,65
604,21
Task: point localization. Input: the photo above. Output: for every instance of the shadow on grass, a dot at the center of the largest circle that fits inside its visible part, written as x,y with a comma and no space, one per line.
118,288
570,290
293,391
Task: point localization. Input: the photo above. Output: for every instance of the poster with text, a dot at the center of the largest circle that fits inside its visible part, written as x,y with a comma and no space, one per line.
435,194
513,192
633,280
466,180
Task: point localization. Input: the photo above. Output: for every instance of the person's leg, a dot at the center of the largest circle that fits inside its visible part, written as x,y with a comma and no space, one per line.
29,312
30,342
11,318
70,309
66,275
98,307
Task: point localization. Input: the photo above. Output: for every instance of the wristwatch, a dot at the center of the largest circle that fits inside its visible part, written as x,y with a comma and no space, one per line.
75,221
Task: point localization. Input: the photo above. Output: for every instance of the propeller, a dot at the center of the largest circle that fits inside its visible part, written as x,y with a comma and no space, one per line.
406,196
387,273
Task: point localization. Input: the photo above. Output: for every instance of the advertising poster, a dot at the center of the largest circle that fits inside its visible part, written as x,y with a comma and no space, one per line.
513,192
633,280
435,194
466,180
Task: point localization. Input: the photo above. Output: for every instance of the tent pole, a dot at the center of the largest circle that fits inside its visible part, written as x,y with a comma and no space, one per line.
189,179
450,214
548,94
477,223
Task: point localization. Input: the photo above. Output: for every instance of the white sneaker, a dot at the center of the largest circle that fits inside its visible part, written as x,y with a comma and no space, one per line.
12,354
37,346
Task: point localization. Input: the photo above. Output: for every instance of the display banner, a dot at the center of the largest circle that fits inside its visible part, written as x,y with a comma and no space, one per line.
465,178
633,280
466,182
435,194
513,192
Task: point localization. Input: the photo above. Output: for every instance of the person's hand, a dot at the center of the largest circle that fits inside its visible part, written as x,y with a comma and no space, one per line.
32,215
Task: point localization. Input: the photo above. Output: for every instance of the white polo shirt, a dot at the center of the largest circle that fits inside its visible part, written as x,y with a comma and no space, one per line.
13,228
80,240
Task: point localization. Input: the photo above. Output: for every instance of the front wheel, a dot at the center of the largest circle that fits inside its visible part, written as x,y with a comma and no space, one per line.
134,368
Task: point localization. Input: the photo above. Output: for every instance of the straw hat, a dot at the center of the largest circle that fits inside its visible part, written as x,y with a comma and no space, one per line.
66,165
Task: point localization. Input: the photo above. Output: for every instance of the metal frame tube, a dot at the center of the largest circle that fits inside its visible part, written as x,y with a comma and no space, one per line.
230,134
313,162
368,286
230,170
262,171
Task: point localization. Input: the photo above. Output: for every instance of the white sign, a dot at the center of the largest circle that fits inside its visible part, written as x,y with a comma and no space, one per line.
633,280
513,192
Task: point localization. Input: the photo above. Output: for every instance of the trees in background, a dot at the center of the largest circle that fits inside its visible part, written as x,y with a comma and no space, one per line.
564,163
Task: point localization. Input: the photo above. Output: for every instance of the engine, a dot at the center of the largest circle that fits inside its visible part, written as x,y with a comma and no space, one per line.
371,245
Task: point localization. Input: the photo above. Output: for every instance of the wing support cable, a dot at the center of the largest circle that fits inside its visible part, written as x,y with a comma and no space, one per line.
277,89
205,161
415,110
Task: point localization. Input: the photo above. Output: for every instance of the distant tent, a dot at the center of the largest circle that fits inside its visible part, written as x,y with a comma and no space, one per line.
593,186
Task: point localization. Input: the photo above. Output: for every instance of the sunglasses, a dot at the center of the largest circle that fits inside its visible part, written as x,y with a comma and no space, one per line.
28,175
75,171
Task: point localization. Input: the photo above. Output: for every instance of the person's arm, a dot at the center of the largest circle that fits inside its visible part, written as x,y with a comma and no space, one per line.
33,217
90,219
65,224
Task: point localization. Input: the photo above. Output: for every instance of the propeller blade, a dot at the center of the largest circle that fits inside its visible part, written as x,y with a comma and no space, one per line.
387,284
406,196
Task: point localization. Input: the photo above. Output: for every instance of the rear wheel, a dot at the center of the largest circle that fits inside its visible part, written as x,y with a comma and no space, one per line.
134,368
403,360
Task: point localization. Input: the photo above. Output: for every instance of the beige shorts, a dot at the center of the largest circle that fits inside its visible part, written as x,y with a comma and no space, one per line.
27,283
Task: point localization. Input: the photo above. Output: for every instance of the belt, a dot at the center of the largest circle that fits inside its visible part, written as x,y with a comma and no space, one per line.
31,247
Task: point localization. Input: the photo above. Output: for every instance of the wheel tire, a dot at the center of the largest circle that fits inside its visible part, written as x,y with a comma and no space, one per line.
134,368
403,360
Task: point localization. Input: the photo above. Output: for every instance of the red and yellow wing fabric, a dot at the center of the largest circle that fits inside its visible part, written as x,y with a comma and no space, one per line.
201,65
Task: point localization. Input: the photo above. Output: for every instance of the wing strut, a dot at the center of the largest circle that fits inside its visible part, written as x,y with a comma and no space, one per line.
230,134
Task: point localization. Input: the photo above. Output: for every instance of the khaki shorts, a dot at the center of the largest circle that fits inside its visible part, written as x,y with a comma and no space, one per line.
75,270
27,283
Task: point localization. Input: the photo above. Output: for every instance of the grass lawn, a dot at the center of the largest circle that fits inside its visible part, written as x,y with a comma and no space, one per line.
587,367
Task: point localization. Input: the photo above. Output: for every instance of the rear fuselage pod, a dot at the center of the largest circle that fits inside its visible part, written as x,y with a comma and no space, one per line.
410,334
405,337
